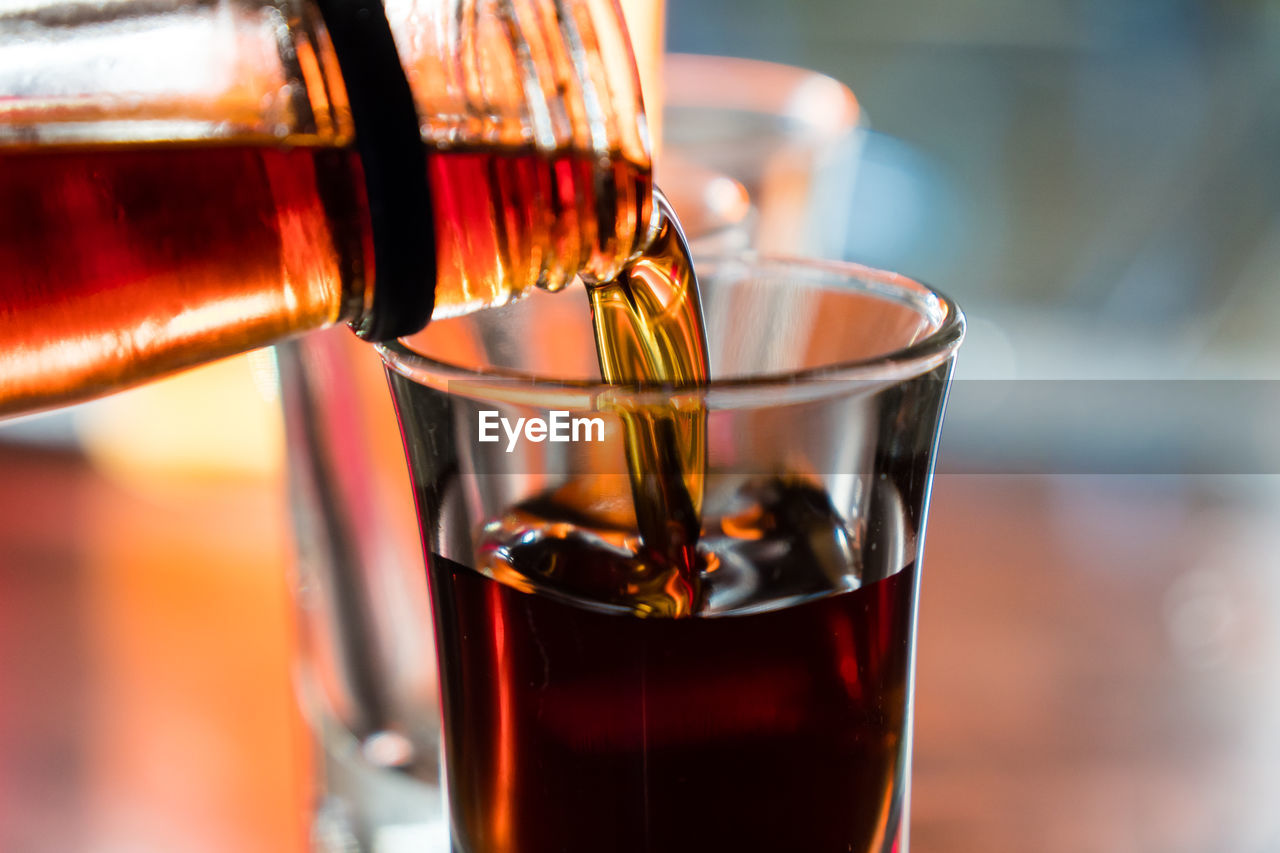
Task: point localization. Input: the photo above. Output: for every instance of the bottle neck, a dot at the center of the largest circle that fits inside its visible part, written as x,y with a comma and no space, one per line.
396,189
531,131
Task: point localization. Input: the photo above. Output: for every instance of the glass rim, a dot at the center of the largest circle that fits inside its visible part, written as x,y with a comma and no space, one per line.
894,366
717,81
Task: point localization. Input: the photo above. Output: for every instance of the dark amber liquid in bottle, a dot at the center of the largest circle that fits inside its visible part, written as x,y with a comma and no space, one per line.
124,262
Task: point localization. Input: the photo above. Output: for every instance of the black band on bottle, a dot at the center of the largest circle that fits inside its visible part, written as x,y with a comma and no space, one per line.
395,168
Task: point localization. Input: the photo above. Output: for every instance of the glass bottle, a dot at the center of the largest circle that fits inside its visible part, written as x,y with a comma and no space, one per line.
181,180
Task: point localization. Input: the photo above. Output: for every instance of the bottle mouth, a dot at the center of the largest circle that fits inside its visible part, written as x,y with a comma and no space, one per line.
660,210
781,330
627,210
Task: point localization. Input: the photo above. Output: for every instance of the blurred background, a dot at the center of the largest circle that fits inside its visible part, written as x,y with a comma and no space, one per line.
1095,182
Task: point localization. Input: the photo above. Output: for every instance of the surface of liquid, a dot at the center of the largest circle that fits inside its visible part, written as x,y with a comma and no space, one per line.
121,263
779,723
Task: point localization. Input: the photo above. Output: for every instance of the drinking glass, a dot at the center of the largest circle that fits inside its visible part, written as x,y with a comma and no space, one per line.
784,141
365,671
777,714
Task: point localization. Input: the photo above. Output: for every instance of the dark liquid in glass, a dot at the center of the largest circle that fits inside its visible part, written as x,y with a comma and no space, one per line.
571,726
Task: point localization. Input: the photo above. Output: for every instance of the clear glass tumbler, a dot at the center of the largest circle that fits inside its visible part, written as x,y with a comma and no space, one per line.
788,138
778,715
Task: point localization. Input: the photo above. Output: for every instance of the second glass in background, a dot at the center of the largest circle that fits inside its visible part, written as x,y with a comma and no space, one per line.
759,155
